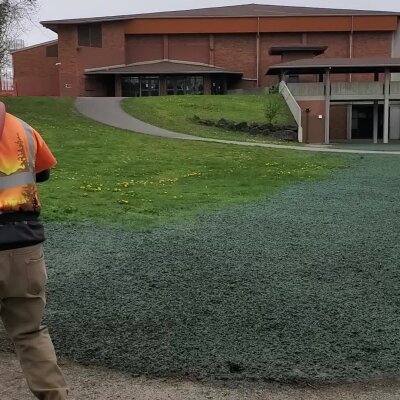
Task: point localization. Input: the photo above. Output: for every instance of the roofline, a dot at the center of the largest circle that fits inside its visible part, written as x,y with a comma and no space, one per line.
279,49
154,62
338,67
127,18
330,62
216,70
111,18
194,72
36,45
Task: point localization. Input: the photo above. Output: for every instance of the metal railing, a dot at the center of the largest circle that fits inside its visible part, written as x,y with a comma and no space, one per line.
344,90
357,88
395,88
312,89
7,87
293,107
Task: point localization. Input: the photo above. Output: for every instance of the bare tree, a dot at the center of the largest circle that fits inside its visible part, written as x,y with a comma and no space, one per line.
12,13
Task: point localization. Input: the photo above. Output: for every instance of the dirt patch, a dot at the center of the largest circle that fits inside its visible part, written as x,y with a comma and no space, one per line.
100,384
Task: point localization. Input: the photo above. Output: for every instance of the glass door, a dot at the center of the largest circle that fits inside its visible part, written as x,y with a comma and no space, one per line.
130,86
150,86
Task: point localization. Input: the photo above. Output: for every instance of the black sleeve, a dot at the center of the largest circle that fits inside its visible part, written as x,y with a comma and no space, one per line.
43,176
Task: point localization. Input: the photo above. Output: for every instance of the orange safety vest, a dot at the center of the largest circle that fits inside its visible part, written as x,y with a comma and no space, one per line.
23,153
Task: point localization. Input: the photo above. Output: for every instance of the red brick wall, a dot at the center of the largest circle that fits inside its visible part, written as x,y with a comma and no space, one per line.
194,48
371,45
236,53
266,42
338,122
338,43
67,54
338,47
75,59
313,127
35,74
144,48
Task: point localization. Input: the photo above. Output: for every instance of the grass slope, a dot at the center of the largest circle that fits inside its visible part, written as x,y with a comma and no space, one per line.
176,112
113,176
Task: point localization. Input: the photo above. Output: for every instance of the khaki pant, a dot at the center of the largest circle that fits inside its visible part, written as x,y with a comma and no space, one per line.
22,295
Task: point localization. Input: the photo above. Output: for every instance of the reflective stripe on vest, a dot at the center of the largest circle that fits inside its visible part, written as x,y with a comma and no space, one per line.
22,178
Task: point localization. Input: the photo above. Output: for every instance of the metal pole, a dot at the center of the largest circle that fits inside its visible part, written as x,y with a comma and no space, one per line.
386,107
349,121
327,103
376,116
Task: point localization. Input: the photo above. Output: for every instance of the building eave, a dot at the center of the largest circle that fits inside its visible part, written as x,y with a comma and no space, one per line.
49,43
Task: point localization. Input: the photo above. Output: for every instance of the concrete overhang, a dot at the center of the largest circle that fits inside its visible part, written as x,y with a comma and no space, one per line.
336,66
161,67
297,48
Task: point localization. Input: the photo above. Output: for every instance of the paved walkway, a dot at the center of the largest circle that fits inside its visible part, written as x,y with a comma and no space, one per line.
108,111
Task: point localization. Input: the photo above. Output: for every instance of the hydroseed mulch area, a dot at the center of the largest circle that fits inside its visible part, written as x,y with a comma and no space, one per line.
303,286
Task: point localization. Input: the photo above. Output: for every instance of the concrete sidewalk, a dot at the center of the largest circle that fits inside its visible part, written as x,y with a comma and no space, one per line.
108,111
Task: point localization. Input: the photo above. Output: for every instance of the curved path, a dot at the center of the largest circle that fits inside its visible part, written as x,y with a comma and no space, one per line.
108,110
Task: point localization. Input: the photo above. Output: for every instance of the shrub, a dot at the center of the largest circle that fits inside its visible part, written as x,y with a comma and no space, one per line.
273,109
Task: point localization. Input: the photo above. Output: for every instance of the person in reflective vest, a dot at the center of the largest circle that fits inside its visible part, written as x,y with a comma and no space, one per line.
25,159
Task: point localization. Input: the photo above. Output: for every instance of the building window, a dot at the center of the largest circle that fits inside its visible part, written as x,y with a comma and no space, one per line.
180,85
90,83
90,35
135,86
130,86
194,85
149,86
293,78
52,51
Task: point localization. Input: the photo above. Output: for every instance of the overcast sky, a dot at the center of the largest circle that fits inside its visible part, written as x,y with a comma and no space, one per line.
63,9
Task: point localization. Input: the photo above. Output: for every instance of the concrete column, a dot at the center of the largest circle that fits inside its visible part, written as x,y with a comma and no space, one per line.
394,122
375,119
118,87
349,121
258,59
165,47
211,49
327,104
386,108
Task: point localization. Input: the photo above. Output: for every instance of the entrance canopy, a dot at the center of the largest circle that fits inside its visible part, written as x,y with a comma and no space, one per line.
162,77
162,67
312,49
336,66
343,91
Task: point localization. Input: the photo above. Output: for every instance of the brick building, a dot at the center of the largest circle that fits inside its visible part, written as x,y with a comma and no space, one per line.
202,51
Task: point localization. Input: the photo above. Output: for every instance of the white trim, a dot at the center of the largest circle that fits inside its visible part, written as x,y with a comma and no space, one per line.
35,46
294,108
105,68
160,61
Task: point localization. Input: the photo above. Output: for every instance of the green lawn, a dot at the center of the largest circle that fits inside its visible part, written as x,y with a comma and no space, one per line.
176,113
113,176
295,281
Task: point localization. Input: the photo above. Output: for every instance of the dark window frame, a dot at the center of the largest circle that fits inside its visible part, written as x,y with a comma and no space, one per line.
52,51
188,84
90,35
